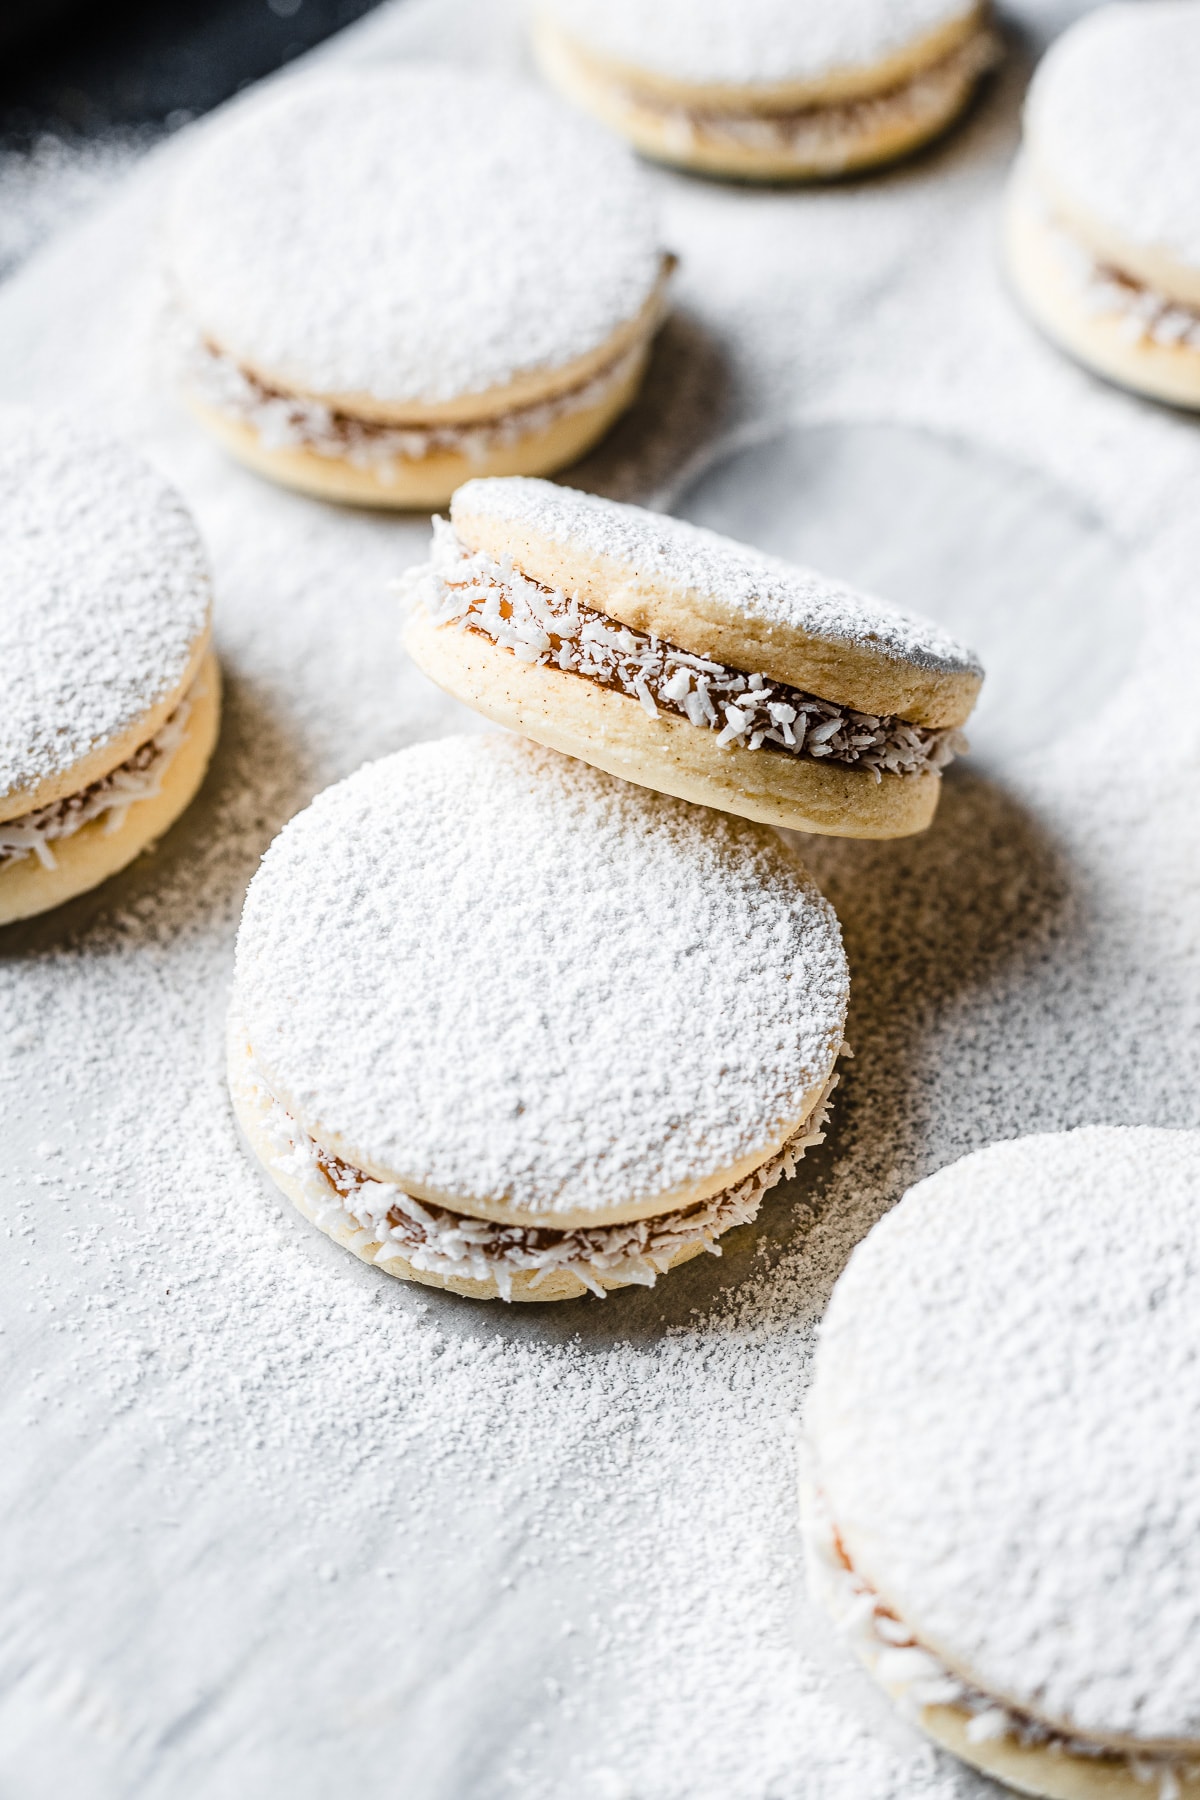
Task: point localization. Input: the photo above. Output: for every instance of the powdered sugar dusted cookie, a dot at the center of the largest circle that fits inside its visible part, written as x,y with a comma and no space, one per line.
1103,222
505,1025
679,659
109,692
391,280
1005,1503
768,89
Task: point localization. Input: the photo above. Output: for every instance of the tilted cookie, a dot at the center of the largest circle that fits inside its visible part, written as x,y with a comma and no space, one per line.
504,1025
1103,222
391,280
689,663
1003,1510
109,690
768,90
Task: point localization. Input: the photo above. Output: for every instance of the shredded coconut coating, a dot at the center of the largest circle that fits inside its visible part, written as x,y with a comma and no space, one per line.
289,421
1146,316
822,130
917,1678
138,778
106,592
754,41
412,234
542,625
688,557
1114,116
393,1224
652,992
1004,1422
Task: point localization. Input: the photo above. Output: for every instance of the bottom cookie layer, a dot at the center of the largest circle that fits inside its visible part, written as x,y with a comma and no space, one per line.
426,481
94,852
1014,1749
476,1257
813,144
1117,328
668,754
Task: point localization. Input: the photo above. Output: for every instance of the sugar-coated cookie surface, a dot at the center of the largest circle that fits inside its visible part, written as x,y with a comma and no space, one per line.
106,602
524,989
753,41
1113,120
645,550
410,234
1004,1420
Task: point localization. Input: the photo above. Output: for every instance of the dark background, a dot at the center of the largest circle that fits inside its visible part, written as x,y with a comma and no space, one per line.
83,68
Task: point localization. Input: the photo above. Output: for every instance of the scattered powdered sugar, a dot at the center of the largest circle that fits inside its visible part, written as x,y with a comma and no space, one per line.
541,625
288,422
917,1678
1112,115
105,593
1007,1367
828,135
755,41
652,991
110,798
689,558
410,234
391,1223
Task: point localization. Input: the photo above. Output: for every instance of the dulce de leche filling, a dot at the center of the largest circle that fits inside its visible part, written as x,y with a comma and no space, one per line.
537,624
386,1224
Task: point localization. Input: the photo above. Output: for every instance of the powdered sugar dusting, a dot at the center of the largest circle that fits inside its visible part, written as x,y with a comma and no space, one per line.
687,558
652,991
1113,115
753,41
412,234
1007,1367
105,592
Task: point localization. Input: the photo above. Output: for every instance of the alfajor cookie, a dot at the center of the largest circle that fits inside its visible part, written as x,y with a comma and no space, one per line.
504,1025
686,662
1003,1511
109,690
386,282
1103,226
769,90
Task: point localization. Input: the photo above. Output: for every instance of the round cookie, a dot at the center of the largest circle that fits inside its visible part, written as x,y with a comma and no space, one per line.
504,1025
1102,226
681,660
389,281
109,691
768,90
1004,1507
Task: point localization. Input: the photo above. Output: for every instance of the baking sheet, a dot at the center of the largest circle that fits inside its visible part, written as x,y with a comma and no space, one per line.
275,1524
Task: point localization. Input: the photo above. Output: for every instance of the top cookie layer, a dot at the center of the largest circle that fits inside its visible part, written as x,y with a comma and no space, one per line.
532,992
417,234
757,43
105,608
1005,1417
1113,125
715,597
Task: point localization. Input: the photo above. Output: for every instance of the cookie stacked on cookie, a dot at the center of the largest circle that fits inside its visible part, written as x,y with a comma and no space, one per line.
684,661
109,689
388,281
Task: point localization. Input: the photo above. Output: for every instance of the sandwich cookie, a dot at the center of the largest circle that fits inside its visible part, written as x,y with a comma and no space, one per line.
686,662
1103,224
388,281
109,690
1004,1510
769,90
504,1025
